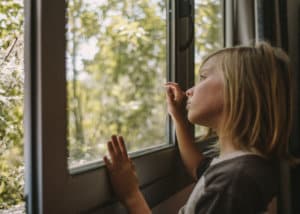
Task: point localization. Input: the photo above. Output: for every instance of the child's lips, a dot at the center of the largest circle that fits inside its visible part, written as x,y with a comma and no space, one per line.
187,105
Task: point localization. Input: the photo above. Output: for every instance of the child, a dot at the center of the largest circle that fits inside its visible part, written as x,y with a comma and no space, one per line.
245,95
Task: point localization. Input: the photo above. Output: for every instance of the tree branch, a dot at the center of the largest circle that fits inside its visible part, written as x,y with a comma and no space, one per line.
10,51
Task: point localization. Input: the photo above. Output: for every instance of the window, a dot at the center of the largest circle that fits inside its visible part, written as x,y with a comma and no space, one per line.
51,187
116,69
208,36
106,50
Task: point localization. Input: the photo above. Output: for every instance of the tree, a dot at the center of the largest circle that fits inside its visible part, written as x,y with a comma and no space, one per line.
122,91
11,103
119,87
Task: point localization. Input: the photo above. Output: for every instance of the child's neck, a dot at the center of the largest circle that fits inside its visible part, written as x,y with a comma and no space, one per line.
226,146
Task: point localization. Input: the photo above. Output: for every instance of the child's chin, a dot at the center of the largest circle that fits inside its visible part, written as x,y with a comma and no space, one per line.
190,118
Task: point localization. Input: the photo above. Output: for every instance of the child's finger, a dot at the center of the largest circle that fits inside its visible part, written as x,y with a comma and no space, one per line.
122,146
111,151
171,83
170,91
170,96
107,163
115,145
176,90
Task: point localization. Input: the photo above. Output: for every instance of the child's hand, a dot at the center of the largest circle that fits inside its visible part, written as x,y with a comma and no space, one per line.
176,99
121,170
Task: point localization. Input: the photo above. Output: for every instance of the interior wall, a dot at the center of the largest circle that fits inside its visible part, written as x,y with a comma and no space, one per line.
293,17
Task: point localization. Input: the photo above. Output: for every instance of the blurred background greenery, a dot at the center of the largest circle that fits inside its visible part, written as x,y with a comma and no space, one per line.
116,69
11,103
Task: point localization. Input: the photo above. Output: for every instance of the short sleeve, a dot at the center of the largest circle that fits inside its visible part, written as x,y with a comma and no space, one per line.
204,164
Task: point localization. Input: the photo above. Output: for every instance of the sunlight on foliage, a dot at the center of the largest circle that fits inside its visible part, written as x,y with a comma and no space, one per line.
119,88
11,103
116,68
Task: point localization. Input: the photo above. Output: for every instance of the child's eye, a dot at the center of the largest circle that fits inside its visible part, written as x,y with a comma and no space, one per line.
202,77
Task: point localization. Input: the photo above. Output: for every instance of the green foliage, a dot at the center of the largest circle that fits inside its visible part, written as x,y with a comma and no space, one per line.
11,21
11,103
119,89
208,24
11,184
123,92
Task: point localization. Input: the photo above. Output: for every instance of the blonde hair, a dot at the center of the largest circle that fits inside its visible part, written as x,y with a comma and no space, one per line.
259,98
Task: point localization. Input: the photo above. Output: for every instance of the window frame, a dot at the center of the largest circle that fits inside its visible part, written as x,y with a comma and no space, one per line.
50,187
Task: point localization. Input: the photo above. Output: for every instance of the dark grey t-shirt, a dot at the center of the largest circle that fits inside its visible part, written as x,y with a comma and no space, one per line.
242,184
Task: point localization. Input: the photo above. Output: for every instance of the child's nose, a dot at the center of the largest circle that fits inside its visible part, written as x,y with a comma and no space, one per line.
189,92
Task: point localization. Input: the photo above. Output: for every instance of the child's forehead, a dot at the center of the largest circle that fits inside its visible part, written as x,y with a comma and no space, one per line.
208,65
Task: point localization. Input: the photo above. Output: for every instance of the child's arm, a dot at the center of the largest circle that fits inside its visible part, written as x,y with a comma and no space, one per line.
190,155
137,205
123,177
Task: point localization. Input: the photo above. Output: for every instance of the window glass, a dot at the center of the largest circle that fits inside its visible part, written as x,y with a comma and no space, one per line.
208,36
11,107
116,69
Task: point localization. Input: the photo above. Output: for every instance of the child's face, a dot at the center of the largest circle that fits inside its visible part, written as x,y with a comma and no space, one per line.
206,99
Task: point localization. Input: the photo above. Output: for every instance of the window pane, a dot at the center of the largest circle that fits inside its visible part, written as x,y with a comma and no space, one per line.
11,107
208,36
116,68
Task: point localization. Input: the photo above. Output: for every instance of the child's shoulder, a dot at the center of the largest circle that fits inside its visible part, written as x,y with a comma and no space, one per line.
249,172
237,185
242,166
244,184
